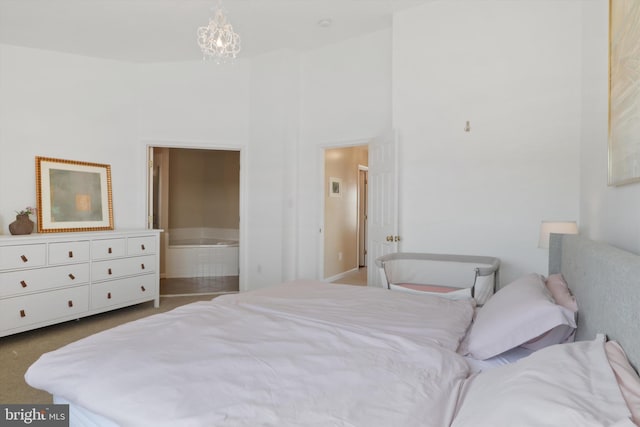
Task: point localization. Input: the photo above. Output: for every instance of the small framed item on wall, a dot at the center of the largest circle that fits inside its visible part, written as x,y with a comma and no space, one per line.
335,187
624,92
73,196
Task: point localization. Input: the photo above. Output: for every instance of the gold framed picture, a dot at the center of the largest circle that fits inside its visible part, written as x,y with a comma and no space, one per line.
73,196
624,92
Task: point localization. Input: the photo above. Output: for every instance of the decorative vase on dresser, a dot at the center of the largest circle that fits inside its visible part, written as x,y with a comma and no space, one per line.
22,225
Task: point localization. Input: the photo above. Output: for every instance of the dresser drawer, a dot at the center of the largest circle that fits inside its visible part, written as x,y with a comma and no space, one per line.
120,291
115,268
108,248
31,309
27,281
68,252
141,245
22,256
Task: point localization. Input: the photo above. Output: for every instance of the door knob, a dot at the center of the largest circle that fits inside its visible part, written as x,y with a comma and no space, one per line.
389,238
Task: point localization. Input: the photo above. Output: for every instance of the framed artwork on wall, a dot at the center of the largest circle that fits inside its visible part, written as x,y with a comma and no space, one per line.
335,187
624,92
73,196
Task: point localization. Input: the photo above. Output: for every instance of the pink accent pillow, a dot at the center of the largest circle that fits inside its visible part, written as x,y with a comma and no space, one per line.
561,293
627,379
519,312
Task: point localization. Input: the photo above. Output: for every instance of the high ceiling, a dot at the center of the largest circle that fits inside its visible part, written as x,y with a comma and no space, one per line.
165,30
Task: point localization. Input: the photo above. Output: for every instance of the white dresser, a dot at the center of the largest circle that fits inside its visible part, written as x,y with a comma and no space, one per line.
51,278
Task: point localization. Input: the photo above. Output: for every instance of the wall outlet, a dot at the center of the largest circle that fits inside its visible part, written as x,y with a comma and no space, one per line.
339,256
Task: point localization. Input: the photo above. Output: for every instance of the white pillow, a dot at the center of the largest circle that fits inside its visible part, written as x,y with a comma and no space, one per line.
519,312
562,385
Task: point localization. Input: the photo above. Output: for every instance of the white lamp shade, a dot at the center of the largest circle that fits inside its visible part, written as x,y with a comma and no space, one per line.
558,227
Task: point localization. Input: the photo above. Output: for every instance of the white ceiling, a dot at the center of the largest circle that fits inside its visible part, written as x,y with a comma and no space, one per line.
165,30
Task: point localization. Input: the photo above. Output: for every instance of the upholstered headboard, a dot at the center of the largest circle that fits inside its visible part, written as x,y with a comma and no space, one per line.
606,283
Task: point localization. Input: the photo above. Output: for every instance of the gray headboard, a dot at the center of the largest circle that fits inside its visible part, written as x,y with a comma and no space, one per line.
606,283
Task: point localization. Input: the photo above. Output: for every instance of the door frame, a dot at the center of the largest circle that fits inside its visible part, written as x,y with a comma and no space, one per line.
362,222
320,150
208,145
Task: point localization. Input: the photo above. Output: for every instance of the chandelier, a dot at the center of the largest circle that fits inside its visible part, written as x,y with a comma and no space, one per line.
217,40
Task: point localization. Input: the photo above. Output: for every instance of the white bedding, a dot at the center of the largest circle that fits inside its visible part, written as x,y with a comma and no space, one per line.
301,353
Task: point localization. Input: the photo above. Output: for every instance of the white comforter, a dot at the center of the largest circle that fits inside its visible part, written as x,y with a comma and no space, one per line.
298,354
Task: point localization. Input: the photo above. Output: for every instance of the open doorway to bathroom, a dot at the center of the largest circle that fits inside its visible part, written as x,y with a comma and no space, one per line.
196,201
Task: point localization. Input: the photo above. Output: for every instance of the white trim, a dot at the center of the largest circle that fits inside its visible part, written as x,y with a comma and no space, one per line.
340,275
197,294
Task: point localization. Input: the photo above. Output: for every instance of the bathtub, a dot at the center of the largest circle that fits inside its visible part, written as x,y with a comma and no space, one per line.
201,253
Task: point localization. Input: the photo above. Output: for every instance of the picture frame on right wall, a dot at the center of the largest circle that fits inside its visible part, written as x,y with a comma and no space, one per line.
624,92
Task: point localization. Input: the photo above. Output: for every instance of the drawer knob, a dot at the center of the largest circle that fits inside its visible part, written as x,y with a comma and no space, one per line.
23,283
70,303
142,247
23,314
143,288
71,276
109,250
109,271
142,266
70,254
108,295
24,258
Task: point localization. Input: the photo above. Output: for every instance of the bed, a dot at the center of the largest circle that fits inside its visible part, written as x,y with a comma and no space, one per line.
317,354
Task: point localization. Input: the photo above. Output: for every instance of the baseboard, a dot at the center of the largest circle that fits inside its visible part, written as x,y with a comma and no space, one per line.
339,275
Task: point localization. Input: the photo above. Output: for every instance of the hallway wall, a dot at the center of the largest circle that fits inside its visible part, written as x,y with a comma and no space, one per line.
341,211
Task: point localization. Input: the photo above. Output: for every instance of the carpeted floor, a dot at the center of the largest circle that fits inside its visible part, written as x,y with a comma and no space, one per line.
19,351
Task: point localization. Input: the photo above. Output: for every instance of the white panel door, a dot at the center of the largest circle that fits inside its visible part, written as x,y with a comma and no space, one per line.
383,203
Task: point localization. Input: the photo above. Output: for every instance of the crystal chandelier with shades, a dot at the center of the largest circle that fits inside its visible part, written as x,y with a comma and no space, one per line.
217,40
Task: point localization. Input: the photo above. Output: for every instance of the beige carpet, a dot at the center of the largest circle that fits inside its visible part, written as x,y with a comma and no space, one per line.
18,352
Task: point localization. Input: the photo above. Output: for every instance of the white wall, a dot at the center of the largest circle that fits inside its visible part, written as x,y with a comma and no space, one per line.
69,107
513,70
522,72
345,97
194,103
271,181
606,213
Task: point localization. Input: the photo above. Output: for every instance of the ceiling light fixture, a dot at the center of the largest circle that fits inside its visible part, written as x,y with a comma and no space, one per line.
217,40
325,23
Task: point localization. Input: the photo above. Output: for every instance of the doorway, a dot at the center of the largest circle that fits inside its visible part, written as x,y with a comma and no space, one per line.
195,199
345,214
